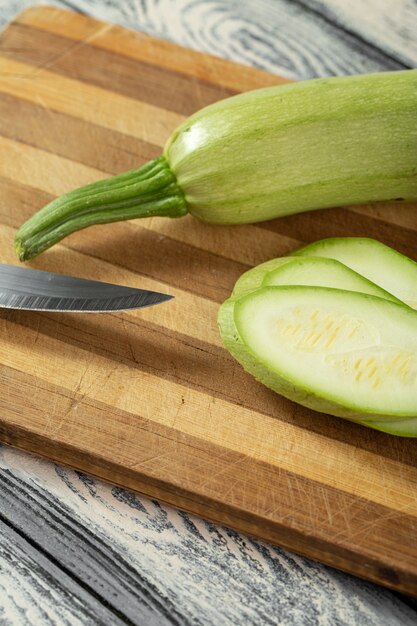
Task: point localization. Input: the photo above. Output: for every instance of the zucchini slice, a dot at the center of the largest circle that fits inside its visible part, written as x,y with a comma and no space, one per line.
313,271
384,266
317,272
341,352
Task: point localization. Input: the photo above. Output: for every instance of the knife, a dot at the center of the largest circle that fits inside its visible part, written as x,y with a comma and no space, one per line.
36,290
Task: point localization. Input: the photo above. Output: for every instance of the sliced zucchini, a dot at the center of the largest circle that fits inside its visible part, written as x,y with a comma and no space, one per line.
322,272
348,354
253,278
313,271
391,270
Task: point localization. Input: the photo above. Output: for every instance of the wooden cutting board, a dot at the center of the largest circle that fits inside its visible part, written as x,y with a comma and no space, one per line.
150,399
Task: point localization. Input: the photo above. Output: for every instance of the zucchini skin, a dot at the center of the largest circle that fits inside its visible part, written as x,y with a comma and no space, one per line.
299,147
260,155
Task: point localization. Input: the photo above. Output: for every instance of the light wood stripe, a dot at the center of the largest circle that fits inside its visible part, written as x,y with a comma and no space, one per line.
120,74
30,166
87,102
195,414
149,49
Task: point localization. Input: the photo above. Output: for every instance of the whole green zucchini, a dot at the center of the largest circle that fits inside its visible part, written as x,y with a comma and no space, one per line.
260,155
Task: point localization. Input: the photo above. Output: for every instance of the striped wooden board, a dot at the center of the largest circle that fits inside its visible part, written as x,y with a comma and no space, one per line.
150,399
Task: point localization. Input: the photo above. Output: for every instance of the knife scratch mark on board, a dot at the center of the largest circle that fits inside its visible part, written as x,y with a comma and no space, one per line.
71,49
128,341
38,323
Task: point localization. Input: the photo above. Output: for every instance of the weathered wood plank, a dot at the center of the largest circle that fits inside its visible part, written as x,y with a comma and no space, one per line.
36,590
75,548
277,35
388,25
119,542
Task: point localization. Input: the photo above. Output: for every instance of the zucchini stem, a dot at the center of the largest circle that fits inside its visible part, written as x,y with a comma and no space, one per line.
151,190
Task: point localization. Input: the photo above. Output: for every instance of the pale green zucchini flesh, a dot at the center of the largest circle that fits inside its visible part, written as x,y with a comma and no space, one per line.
260,155
313,271
349,354
391,270
322,272
253,278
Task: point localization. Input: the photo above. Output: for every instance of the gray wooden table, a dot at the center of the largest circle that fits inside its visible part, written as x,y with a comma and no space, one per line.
74,550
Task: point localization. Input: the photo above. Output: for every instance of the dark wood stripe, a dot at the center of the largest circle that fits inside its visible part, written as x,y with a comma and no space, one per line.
343,222
107,150
142,251
37,570
130,77
200,366
341,520
108,589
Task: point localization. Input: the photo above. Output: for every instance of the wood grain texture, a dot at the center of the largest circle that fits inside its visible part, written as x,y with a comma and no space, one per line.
274,589
299,39
390,25
149,399
130,551
29,598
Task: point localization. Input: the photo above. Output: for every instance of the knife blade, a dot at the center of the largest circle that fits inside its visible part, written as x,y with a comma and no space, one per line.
37,290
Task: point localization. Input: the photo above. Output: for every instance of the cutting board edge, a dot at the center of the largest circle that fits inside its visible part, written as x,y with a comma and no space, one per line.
213,510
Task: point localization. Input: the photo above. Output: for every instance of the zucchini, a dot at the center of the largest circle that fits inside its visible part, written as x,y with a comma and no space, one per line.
312,271
350,354
253,278
391,270
260,155
317,272
388,351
